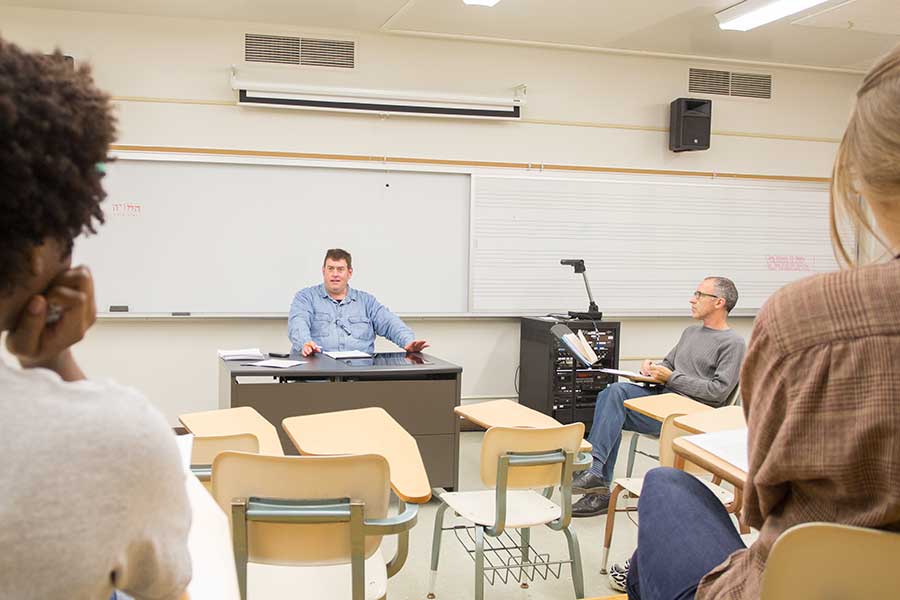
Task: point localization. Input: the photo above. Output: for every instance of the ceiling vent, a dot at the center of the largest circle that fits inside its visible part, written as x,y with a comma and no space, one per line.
727,83
301,51
276,49
327,53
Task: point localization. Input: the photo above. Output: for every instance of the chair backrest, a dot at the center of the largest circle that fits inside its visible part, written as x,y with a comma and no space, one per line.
826,560
205,449
667,434
500,440
364,477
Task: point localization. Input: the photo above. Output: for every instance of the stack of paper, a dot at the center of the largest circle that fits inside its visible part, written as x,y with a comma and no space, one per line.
242,354
275,363
622,373
729,445
347,354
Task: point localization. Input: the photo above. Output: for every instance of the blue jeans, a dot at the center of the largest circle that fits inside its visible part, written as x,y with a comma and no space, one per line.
610,418
683,532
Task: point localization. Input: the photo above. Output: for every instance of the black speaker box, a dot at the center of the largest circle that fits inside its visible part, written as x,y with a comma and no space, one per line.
689,124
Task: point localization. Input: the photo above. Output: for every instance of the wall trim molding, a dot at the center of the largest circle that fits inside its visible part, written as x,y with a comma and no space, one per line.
524,121
439,162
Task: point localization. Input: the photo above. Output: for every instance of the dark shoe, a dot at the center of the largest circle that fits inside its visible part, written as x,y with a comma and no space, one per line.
588,483
591,505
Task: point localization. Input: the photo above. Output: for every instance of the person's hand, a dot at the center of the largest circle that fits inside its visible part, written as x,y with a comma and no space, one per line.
39,343
660,373
416,346
310,347
645,367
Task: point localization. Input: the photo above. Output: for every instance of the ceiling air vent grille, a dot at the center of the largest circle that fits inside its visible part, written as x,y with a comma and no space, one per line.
327,53
276,49
707,81
751,85
308,52
726,83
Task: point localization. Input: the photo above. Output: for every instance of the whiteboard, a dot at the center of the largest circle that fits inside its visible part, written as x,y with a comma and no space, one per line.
213,238
647,241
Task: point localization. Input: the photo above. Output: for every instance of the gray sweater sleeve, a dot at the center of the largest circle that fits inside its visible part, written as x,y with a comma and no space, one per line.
713,391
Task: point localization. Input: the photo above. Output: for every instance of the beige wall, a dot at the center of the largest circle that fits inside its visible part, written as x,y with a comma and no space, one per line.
170,78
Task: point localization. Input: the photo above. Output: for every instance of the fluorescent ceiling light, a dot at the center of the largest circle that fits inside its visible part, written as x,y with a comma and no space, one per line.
481,2
753,13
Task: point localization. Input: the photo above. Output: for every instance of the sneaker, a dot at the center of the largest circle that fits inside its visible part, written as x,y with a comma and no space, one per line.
586,482
618,576
591,505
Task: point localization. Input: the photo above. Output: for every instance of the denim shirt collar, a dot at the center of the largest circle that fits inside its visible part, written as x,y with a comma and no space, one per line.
352,294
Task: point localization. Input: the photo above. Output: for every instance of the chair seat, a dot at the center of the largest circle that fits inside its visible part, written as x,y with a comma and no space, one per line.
524,508
633,486
329,582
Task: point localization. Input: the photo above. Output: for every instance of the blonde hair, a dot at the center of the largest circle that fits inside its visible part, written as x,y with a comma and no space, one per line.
869,152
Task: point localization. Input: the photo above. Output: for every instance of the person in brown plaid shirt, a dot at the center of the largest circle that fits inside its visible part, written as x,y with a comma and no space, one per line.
821,393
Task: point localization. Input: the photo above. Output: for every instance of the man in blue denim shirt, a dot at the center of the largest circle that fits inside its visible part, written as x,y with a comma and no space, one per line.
332,316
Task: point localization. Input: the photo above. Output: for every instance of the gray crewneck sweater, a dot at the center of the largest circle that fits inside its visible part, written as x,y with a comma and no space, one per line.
93,492
706,364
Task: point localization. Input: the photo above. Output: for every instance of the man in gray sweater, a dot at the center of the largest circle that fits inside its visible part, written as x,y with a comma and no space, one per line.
94,494
705,365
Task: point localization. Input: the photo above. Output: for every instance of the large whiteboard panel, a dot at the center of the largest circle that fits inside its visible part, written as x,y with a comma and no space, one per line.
230,238
647,241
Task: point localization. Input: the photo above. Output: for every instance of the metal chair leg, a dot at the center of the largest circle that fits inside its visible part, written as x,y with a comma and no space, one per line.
632,451
525,541
575,557
436,548
479,562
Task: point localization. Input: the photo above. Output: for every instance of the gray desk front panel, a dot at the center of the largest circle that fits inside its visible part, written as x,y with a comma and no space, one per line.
424,407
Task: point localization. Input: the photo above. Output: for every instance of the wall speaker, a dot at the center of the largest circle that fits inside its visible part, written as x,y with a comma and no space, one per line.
689,124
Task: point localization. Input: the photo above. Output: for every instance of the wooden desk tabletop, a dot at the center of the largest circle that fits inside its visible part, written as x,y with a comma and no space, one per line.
660,406
506,413
717,419
365,431
209,543
229,421
709,461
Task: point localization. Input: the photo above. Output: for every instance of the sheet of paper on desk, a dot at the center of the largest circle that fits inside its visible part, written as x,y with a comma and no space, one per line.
277,363
347,354
242,354
729,445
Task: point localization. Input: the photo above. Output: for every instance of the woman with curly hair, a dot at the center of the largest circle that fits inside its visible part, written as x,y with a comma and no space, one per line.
820,386
93,492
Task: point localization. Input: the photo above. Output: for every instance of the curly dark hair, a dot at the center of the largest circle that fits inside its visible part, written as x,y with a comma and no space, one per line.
55,132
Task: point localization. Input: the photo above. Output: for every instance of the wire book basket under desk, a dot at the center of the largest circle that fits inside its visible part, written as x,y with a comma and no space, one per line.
505,558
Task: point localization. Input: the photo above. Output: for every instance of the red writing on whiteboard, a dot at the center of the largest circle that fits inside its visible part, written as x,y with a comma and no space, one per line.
789,263
122,209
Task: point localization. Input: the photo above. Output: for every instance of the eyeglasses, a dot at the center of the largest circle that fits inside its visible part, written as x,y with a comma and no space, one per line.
698,294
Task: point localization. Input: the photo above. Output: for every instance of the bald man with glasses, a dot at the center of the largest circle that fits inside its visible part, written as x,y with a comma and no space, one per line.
704,365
